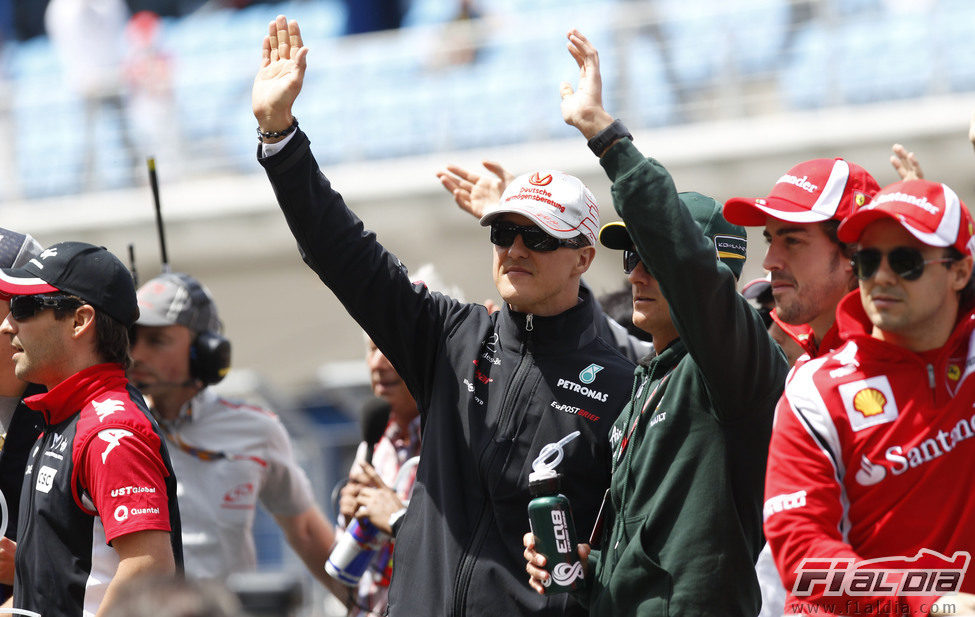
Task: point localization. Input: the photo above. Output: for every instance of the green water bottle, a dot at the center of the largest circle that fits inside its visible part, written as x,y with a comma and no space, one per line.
550,517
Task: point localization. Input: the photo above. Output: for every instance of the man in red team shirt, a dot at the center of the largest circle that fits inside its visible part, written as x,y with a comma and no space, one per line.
99,471
870,440
809,266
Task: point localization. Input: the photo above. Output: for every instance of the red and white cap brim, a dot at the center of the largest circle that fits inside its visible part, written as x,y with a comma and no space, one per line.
754,212
19,282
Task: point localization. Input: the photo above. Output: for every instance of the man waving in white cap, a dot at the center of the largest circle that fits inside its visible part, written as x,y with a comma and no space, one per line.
492,389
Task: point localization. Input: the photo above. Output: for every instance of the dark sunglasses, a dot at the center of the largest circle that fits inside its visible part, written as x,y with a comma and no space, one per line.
503,234
25,307
631,259
907,263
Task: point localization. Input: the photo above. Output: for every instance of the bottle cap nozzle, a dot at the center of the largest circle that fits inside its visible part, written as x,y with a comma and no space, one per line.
551,454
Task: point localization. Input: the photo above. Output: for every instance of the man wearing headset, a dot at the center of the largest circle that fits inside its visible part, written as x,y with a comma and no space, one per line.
227,456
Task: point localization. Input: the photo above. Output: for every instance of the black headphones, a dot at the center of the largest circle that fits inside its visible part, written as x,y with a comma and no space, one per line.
209,358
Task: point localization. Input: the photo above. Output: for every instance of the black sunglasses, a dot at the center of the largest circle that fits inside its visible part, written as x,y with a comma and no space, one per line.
906,262
631,259
25,307
504,233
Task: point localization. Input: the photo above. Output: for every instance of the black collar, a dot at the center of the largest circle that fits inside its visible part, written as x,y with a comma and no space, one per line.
567,331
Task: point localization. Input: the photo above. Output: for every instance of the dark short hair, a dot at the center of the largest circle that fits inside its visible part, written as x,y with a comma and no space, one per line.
966,296
830,228
112,339
847,249
111,336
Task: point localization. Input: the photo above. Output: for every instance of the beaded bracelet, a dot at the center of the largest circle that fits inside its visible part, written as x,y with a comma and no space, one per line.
262,135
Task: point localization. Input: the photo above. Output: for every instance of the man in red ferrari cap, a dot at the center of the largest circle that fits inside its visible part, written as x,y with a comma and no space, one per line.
809,266
871,452
809,271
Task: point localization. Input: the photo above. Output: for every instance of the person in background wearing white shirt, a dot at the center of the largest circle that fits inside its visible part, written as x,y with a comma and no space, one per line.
227,456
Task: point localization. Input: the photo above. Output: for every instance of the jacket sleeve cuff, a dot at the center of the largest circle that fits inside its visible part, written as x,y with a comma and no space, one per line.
621,158
287,157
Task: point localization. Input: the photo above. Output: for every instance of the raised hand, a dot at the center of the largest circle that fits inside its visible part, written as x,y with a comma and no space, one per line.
905,164
474,192
583,108
279,79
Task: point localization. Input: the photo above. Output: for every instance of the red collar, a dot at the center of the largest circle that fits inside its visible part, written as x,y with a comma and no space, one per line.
804,336
72,394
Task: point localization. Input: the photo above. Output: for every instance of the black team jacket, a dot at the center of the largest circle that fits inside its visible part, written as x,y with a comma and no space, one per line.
492,389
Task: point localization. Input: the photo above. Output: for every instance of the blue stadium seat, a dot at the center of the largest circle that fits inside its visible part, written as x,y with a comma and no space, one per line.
31,58
694,33
757,29
429,12
886,58
804,78
317,18
955,44
846,8
651,100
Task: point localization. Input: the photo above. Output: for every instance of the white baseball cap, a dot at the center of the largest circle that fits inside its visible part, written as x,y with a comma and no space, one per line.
558,203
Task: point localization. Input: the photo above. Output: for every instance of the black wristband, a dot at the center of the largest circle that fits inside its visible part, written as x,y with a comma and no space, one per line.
262,135
396,520
605,138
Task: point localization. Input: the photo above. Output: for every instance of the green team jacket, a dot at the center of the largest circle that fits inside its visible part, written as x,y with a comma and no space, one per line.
685,526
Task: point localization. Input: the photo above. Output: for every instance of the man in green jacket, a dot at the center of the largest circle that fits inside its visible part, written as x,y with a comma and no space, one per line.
689,451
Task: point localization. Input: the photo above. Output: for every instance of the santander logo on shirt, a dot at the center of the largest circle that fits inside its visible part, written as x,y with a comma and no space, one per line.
899,459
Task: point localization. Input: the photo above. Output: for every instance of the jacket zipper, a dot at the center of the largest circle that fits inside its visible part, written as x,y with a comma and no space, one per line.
469,556
32,460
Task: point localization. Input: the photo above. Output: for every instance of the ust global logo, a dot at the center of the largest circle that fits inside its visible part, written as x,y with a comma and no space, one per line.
539,180
927,573
588,374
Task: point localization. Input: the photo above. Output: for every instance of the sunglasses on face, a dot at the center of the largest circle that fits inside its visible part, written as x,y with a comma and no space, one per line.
907,263
25,307
631,260
503,234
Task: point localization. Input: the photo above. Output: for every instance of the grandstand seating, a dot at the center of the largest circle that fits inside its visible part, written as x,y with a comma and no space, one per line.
397,94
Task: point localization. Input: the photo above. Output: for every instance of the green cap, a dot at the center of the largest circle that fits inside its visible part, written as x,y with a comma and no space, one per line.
730,241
